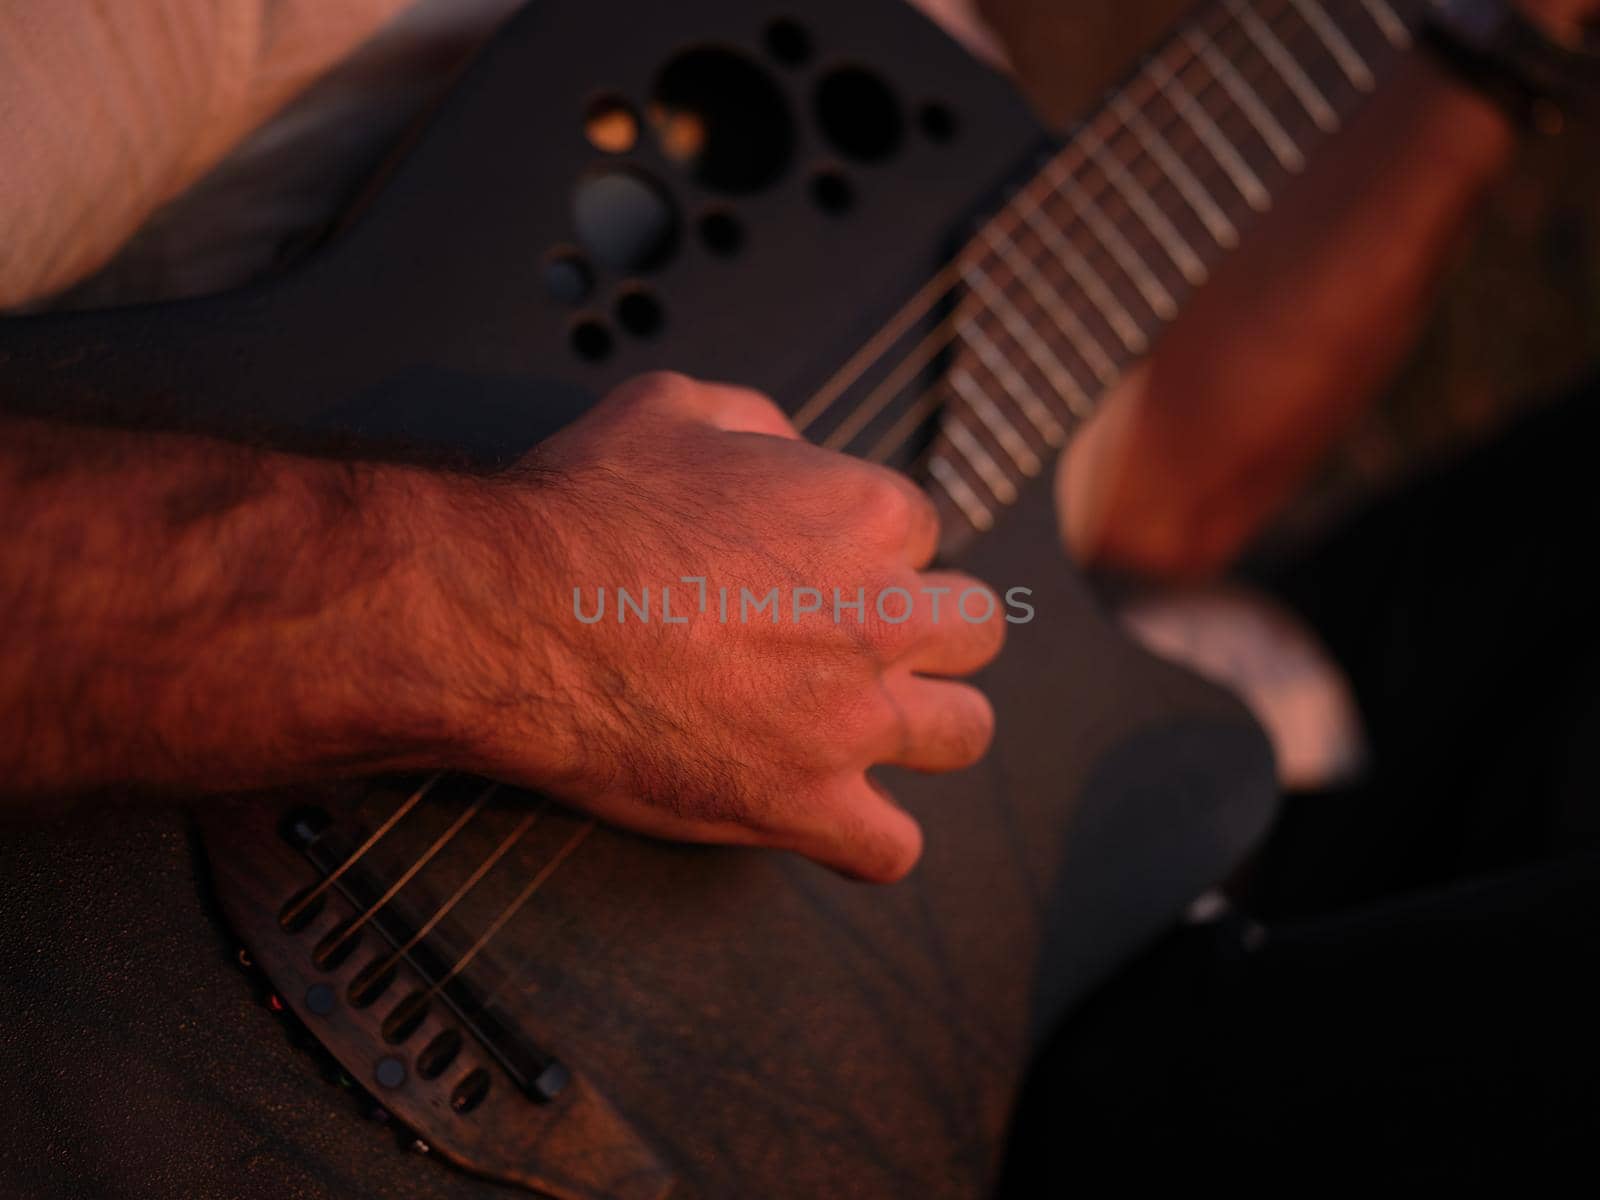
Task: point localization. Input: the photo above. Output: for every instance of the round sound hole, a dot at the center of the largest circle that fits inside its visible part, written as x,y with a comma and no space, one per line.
859,114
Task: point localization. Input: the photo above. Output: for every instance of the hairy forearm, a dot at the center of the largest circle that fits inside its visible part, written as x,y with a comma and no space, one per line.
1291,340
179,613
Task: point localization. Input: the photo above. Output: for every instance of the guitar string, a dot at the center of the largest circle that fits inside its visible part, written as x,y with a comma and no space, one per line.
422,860
947,333
1029,199
510,910
378,969
360,851
871,354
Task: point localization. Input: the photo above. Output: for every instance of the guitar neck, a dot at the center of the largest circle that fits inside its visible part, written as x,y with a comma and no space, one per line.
1072,280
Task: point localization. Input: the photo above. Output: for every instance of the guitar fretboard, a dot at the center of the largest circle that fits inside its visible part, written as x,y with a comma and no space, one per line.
1071,281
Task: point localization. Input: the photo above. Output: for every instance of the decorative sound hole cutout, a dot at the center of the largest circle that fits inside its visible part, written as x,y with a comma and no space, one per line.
372,982
303,908
405,1018
625,219
724,118
859,115
591,341
640,313
470,1092
611,125
339,944
438,1054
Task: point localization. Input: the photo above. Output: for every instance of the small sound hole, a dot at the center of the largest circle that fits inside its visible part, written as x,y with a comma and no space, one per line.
439,1054
639,312
591,341
405,1017
302,909
470,1092
339,945
372,983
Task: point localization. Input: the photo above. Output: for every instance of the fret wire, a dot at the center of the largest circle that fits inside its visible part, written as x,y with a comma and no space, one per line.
1246,97
980,460
1389,23
1316,104
1243,177
1007,377
1351,63
1003,432
1277,138
1059,378
958,490
985,376
1139,273
1205,206
1165,162
1084,274
1054,305
1325,54
1138,199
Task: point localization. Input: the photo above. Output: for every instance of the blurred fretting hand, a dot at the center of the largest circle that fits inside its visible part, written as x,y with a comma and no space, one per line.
1295,334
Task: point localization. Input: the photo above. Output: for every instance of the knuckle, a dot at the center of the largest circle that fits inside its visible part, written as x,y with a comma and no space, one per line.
666,389
758,404
886,503
859,716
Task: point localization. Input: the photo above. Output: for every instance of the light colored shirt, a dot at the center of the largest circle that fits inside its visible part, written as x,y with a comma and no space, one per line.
197,140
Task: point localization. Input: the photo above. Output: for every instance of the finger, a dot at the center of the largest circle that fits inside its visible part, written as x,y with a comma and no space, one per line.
859,831
961,625
944,725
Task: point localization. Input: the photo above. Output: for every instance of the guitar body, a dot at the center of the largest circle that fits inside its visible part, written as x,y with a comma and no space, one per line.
656,1020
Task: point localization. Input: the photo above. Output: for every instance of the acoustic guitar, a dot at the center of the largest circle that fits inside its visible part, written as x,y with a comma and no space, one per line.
829,201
